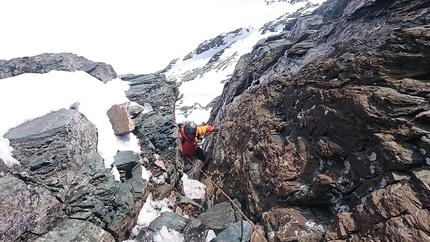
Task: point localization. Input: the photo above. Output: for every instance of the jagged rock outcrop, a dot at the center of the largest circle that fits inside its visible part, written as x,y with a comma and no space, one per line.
154,118
330,118
66,179
47,62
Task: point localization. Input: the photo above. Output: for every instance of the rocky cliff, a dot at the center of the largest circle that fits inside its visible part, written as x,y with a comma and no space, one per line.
324,127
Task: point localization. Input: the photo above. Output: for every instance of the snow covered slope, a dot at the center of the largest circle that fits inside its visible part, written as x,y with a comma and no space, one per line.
201,74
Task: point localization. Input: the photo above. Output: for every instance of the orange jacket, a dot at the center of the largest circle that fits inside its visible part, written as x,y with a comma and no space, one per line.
189,144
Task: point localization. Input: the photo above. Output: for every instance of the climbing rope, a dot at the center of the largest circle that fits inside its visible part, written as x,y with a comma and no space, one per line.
233,203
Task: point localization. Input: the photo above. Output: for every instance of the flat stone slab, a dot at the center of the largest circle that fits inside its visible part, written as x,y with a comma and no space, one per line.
43,126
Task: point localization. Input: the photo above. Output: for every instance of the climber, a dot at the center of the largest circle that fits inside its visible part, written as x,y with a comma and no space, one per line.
189,133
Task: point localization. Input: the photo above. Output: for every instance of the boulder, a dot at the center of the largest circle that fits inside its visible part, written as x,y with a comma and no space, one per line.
170,220
120,119
238,231
219,216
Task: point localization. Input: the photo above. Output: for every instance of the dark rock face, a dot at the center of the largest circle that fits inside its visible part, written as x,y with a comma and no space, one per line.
47,62
218,216
173,220
334,117
46,135
155,123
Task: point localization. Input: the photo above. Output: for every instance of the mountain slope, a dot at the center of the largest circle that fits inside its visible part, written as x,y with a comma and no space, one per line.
201,74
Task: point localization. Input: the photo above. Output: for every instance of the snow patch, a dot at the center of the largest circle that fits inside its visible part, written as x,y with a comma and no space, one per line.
193,189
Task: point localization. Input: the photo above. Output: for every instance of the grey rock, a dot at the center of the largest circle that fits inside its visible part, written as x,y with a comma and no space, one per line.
170,220
26,210
77,230
126,160
195,231
156,129
58,153
41,127
113,205
219,216
54,147
239,231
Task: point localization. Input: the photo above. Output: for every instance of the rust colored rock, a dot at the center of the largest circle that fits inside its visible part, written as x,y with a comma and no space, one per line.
121,121
329,149
323,184
290,224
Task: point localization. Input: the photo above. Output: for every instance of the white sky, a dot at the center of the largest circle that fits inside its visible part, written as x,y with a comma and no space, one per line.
134,36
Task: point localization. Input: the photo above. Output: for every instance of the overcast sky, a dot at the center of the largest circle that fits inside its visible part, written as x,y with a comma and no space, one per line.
134,36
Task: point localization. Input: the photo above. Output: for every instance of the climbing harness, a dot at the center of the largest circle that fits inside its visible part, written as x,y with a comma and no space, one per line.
233,203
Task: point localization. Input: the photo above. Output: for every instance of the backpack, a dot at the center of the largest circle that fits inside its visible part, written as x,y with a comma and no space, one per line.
180,128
